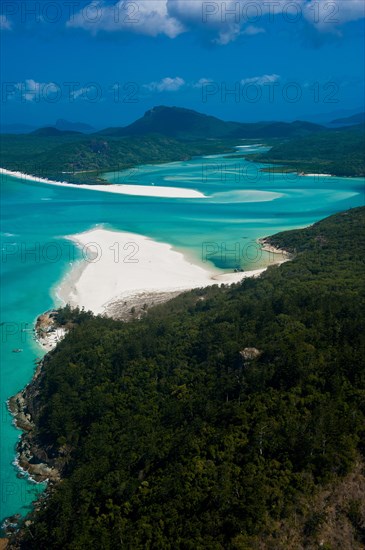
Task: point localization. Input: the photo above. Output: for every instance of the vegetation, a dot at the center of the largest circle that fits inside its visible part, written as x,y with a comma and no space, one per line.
220,418
166,134
338,152
78,158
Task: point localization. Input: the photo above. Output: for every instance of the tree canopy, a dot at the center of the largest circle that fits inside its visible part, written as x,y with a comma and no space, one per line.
218,416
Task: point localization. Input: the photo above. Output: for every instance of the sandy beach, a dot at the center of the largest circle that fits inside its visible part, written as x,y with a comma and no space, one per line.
317,175
119,266
119,189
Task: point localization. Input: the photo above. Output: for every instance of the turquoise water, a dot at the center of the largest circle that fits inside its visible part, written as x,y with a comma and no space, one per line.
242,204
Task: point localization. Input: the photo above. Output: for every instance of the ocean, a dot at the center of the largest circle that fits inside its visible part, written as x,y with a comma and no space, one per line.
242,205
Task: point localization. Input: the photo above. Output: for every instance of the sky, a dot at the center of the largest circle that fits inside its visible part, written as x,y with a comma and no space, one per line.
107,62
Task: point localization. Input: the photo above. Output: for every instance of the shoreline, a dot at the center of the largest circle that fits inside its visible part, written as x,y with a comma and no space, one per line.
164,273
31,460
267,247
122,267
47,333
316,175
115,188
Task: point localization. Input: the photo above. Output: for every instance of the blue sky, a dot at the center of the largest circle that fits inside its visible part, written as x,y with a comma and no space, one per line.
107,62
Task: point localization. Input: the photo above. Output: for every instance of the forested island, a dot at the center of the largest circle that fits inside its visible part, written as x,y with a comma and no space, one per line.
229,418
167,134
338,152
82,159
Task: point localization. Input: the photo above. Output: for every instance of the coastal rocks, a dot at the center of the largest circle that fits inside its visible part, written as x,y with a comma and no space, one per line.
40,462
32,458
17,407
266,246
10,526
48,333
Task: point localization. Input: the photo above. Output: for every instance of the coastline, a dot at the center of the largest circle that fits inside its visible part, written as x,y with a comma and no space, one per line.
264,242
122,267
159,274
48,334
316,175
118,189
33,461
159,264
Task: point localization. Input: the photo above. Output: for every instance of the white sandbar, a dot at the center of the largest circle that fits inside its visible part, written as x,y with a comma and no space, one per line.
119,189
124,264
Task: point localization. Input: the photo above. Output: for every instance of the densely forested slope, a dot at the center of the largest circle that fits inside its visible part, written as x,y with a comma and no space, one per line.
340,152
175,435
50,153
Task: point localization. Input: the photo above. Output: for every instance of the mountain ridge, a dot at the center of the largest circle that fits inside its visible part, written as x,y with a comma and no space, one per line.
184,123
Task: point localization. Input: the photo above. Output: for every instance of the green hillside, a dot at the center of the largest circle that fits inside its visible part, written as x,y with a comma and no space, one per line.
230,418
340,152
78,158
167,134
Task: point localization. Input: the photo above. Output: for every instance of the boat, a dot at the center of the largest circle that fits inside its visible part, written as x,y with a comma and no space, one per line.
17,350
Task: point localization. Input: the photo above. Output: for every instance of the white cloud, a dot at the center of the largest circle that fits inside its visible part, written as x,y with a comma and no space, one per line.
5,24
232,32
222,18
167,84
222,21
227,13
260,80
251,16
30,90
148,17
251,30
87,92
228,35
202,82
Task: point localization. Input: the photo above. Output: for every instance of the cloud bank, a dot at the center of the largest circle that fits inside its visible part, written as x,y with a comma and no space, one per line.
223,20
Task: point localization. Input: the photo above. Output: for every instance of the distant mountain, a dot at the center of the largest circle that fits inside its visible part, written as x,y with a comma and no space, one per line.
175,122
61,124
325,118
298,128
16,128
179,123
67,126
359,118
51,131
182,123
